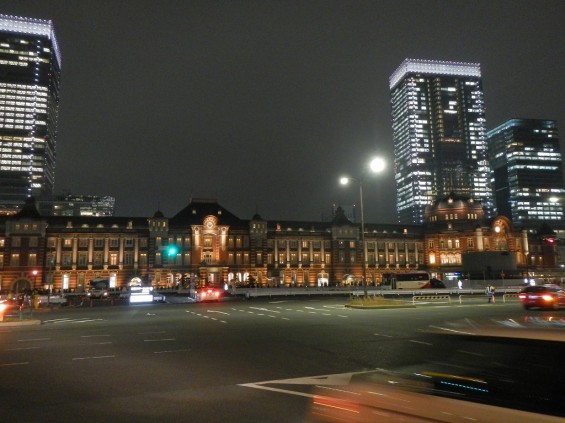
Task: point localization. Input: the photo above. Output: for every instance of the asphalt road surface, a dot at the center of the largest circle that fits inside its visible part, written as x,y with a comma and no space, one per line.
270,360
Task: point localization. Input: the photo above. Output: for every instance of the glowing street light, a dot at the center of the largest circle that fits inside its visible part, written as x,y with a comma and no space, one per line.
376,165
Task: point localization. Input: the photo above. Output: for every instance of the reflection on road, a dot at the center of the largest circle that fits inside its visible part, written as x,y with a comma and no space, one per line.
498,371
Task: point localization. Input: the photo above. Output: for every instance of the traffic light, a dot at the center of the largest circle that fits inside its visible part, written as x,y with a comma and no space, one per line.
172,250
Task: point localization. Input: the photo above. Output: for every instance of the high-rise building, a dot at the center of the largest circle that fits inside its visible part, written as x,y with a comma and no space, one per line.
30,67
439,132
83,205
528,172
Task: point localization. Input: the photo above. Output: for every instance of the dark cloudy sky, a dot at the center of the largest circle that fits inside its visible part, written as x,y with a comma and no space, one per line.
263,104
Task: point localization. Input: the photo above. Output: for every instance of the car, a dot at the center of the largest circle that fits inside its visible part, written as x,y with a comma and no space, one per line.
97,293
11,305
158,297
542,296
207,294
436,283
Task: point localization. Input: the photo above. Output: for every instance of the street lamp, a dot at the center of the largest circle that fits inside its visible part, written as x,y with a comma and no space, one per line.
376,165
34,273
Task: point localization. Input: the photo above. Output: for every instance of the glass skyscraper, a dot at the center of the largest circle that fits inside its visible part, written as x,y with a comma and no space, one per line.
528,172
30,67
439,132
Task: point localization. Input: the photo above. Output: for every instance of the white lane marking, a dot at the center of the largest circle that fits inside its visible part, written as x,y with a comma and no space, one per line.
151,333
382,334
451,330
66,319
159,340
169,351
79,320
264,309
94,358
34,340
216,311
420,342
95,336
23,363
339,315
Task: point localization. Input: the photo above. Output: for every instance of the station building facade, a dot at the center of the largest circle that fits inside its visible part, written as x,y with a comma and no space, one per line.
205,243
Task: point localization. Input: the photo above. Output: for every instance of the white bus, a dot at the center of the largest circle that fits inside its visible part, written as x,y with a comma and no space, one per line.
407,280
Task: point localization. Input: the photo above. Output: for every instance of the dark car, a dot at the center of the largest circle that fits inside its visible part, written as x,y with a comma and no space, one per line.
542,296
436,283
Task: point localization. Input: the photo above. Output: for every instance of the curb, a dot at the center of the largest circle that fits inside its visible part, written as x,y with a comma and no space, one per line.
20,323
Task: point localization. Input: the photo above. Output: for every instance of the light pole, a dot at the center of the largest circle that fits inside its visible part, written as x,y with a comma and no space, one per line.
34,273
376,165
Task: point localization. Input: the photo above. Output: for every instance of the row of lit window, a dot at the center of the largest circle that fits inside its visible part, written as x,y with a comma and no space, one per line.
13,63
28,127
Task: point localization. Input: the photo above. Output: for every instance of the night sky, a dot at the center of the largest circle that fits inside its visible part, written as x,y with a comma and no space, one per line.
264,104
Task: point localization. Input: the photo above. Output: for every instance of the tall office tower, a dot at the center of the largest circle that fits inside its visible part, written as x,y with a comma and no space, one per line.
528,172
30,64
83,205
439,132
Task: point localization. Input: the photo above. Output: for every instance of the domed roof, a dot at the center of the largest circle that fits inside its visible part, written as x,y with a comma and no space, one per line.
455,201
454,210
158,215
256,216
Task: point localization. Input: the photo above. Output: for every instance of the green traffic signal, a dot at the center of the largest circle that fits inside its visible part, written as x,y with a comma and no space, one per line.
172,250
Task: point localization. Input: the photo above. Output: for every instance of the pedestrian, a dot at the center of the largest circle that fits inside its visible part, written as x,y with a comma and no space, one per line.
460,284
490,293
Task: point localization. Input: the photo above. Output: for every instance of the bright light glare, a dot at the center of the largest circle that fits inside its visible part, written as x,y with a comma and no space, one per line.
344,180
377,165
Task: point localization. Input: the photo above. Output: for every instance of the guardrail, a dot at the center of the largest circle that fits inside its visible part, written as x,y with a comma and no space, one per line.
430,298
509,296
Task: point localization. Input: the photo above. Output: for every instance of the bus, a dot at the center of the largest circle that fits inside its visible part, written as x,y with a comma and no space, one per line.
407,280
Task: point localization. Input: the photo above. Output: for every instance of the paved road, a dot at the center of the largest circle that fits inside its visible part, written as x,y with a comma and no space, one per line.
236,361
